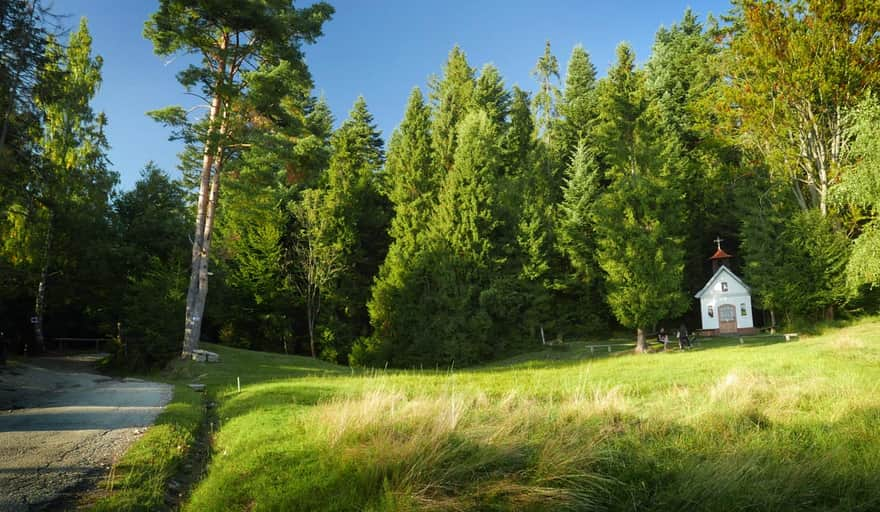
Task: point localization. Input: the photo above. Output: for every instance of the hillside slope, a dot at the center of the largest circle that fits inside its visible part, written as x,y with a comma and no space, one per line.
765,425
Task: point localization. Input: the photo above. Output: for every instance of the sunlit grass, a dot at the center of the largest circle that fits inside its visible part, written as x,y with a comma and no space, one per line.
763,425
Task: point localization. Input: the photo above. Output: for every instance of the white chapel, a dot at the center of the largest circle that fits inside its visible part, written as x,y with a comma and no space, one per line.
725,301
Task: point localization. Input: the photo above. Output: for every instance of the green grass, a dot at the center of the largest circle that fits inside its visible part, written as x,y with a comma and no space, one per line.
139,480
766,425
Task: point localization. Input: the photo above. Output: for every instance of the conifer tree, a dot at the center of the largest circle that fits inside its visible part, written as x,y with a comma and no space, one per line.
620,105
578,105
519,139
463,231
576,230
451,96
546,100
358,225
251,61
74,185
412,186
638,219
490,95
680,80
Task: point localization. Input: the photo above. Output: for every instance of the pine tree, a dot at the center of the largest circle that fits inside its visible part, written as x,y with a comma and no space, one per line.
264,37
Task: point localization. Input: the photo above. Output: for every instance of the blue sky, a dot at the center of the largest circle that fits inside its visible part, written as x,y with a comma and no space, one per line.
379,49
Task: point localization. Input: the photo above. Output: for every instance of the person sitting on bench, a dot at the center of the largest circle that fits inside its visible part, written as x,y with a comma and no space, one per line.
663,338
683,340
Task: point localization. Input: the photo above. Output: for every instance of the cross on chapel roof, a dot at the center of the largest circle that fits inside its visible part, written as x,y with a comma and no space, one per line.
719,253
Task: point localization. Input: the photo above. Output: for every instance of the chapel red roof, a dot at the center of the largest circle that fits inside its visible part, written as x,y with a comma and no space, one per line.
720,255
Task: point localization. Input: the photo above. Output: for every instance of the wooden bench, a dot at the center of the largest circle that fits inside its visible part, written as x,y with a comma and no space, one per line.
791,336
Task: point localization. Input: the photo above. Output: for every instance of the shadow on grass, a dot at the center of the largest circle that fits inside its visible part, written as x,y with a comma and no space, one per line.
575,353
282,394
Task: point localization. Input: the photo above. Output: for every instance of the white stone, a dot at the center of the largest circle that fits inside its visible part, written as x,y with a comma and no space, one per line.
205,356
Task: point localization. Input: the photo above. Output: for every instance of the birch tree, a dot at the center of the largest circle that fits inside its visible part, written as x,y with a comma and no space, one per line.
318,260
250,57
793,68
72,181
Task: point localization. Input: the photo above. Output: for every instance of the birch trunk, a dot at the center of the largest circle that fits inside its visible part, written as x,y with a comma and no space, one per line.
40,302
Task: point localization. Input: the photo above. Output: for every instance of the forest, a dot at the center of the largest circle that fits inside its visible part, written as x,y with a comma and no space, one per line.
492,218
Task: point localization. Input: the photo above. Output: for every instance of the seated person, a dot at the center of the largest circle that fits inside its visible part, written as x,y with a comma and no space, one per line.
663,337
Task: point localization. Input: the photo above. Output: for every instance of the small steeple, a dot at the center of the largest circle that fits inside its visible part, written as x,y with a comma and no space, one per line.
720,257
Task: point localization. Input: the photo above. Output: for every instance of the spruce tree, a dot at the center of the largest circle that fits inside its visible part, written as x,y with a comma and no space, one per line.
412,185
546,100
620,103
490,95
359,217
578,105
576,230
462,233
638,219
451,96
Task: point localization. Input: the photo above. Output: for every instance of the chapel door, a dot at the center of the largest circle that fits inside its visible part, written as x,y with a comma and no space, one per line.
727,319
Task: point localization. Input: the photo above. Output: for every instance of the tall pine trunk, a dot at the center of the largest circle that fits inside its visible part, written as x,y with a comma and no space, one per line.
209,183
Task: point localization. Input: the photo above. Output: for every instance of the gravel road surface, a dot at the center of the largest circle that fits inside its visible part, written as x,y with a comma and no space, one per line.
61,427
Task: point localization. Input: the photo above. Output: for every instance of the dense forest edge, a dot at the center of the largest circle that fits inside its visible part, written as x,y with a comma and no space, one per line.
491,221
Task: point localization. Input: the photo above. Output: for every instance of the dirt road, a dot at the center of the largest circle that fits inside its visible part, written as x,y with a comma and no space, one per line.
61,427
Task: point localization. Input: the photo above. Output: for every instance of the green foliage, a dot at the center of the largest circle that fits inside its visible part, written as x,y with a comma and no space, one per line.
793,69
151,224
576,231
795,260
451,97
578,106
547,98
860,186
640,250
412,189
490,95
358,225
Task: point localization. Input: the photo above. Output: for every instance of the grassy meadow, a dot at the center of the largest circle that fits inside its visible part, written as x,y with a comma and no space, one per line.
764,425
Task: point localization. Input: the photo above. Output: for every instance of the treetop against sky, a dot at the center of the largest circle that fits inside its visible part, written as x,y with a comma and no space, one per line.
376,49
